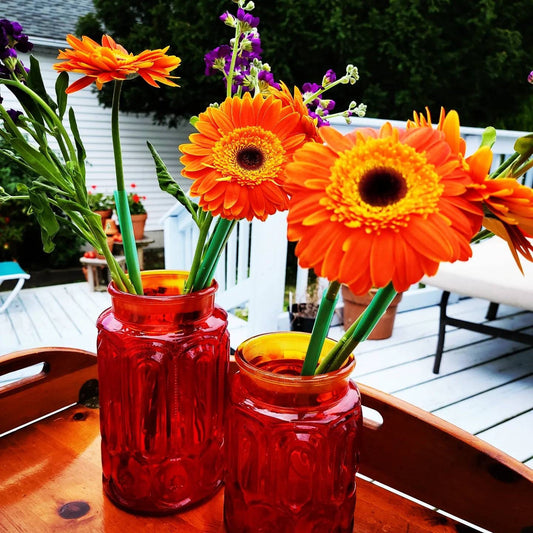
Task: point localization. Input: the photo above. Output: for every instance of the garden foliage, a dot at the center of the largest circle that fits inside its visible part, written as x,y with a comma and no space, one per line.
471,56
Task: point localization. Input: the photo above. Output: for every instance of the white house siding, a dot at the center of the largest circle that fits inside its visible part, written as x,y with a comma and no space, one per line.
94,125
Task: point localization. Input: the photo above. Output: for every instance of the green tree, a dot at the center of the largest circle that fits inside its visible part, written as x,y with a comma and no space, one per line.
472,56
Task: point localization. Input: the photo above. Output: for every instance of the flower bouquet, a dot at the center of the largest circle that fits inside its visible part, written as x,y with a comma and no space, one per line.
369,209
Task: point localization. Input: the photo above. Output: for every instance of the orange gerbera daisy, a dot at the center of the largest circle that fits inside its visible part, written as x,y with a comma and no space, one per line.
509,213
296,102
373,207
478,164
238,157
508,205
111,61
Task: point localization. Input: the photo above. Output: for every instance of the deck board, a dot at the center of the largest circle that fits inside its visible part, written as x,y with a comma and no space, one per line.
485,385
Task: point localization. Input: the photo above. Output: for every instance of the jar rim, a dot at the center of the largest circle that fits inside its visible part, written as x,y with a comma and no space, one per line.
290,380
114,291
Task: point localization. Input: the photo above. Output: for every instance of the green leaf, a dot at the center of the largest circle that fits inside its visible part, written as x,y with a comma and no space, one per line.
169,185
76,132
488,138
61,95
45,217
31,109
35,82
524,145
35,159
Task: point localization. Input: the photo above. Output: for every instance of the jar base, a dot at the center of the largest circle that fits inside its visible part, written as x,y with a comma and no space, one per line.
143,510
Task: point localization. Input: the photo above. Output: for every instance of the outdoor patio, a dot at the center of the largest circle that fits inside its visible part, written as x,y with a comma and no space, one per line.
485,385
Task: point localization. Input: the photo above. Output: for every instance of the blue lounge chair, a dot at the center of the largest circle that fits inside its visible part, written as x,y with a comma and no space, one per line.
10,270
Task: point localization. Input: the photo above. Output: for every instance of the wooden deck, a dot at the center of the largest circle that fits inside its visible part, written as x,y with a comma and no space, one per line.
485,385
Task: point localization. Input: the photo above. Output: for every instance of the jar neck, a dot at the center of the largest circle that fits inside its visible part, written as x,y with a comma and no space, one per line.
270,364
163,302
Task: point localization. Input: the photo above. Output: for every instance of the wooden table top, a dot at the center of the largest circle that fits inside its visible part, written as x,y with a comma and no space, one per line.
50,480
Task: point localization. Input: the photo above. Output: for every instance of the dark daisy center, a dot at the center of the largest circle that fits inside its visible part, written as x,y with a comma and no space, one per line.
250,158
381,187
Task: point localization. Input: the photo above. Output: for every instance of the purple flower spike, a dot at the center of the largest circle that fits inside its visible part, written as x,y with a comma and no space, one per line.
11,36
216,55
14,114
23,45
247,18
330,77
530,77
268,77
310,87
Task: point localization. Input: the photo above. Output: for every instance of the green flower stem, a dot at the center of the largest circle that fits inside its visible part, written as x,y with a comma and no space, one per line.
231,72
321,328
209,263
358,331
204,232
121,197
507,163
115,135
128,240
120,278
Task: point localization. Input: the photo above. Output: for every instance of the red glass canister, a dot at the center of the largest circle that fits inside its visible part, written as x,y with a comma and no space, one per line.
292,442
162,366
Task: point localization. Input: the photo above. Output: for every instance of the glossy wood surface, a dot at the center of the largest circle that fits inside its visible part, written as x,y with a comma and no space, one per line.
50,480
50,471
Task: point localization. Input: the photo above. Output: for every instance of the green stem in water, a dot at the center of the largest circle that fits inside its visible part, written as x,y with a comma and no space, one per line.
209,263
204,232
358,331
320,328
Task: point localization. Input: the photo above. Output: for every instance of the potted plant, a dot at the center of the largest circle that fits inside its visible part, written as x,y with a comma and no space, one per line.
138,212
354,305
302,314
101,203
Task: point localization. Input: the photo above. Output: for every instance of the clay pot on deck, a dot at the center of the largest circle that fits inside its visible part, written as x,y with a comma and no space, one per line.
354,305
138,222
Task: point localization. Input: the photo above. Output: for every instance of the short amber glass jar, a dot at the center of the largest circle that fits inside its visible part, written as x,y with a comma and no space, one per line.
292,448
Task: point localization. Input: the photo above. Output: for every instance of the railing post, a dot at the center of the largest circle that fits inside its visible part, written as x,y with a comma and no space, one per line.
268,265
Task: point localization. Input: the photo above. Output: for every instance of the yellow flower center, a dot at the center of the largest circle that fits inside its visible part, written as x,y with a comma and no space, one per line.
380,183
249,156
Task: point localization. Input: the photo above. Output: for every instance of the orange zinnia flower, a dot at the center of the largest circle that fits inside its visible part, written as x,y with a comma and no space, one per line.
373,207
238,158
110,61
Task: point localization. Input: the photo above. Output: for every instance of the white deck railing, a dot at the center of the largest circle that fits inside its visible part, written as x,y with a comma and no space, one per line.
251,273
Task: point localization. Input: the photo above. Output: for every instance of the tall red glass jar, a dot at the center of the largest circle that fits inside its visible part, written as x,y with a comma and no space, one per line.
292,442
162,367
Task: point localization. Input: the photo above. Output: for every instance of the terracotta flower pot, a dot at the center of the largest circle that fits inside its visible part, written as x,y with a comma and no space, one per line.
104,215
354,305
138,221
